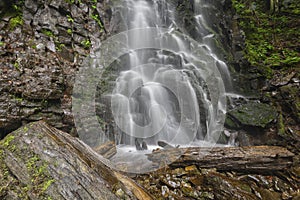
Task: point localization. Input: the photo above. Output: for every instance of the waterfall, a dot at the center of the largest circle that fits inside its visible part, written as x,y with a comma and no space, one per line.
152,84
173,94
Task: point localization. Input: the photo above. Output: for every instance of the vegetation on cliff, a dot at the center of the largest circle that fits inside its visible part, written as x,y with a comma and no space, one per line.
272,49
272,33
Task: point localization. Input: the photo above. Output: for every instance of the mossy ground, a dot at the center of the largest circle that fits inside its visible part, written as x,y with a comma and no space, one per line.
272,37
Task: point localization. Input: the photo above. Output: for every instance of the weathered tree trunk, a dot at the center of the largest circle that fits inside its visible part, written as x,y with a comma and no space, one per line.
107,150
250,158
41,162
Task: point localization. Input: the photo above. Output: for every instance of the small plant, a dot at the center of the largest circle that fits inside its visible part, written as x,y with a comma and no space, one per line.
47,184
16,21
17,66
86,43
97,19
48,33
69,31
59,46
70,19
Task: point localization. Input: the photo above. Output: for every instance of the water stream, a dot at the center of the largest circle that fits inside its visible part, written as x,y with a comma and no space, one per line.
162,96
159,85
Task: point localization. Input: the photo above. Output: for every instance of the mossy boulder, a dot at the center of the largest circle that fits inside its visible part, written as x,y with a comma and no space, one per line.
252,114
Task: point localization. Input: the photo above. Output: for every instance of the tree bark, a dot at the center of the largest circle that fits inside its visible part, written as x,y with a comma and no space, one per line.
41,162
250,158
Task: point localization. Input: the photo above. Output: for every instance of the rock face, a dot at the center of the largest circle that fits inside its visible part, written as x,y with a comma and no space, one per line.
41,162
41,47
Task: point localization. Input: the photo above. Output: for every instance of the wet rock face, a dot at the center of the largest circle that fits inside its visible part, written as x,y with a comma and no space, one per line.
41,47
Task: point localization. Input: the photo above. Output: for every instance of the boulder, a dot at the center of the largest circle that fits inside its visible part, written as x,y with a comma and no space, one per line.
252,114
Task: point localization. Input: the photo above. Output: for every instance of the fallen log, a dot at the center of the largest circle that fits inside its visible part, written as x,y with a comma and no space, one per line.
107,150
247,159
40,162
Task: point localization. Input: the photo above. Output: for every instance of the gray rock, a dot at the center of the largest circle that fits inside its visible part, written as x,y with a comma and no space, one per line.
252,114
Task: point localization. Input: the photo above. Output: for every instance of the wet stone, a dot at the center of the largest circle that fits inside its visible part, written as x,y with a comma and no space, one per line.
165,191
254,114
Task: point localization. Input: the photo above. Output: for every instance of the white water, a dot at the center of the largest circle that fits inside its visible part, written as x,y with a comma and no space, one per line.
162,96
152,82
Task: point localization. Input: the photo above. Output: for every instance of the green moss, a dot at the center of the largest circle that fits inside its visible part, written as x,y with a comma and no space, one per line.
97,19
254,114
271,38
86,43
49,33
37,169
46,184
40,178
16,21
4,171
31,162
7,140
69,31
70,19
19,99
230,123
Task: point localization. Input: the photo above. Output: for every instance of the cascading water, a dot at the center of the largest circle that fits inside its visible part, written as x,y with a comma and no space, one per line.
161,84
143,100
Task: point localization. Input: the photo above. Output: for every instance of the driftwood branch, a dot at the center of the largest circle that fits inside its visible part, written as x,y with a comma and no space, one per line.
251,158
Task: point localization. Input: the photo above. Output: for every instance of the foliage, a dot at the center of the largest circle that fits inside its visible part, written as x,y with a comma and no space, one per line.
59,46
12,9
271,38
70,19
86,43
97,19
16,21
69,31
49,33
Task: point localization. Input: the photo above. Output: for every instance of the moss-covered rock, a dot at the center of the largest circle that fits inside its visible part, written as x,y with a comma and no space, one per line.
252,114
